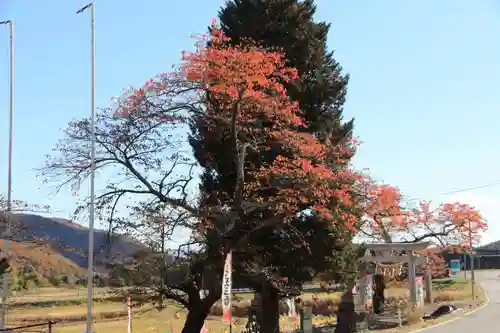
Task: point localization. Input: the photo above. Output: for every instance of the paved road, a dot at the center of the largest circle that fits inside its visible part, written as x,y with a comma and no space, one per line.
485,320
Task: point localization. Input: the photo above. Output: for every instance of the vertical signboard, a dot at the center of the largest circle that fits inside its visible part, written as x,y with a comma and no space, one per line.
226,289
368,292
419,292
129,312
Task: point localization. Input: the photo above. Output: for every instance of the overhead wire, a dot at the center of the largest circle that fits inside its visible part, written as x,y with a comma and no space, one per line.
467,189
460,190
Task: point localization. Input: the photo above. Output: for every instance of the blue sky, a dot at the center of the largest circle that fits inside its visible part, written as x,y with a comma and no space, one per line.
423,90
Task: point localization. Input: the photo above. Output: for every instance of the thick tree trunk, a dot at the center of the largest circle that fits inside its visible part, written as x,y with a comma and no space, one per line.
269,319
198,311
378,296
195,320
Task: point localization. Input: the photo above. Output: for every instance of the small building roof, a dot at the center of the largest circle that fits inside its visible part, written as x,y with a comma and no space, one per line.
398,246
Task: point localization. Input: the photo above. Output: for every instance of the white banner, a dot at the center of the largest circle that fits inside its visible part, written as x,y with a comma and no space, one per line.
129,310
226,289
368,291
419,285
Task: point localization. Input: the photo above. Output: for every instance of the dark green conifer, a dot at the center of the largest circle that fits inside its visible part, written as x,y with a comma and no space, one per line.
307,246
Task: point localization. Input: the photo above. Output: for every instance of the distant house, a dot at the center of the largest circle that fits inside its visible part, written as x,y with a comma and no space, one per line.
485,257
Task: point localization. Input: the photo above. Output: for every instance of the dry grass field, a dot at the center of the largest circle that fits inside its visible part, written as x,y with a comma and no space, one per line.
111,317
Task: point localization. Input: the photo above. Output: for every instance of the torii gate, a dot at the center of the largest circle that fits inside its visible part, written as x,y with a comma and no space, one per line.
382,254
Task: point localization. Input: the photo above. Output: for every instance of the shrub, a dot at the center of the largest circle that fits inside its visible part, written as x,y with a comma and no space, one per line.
414,314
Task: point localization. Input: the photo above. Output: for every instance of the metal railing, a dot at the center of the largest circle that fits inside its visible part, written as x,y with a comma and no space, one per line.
33,328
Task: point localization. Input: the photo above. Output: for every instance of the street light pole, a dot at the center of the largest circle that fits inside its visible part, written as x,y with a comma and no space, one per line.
5,282
90,269
471,256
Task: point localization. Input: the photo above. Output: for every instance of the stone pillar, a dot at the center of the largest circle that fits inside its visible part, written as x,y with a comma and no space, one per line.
361,291
428,287
306,315
411,277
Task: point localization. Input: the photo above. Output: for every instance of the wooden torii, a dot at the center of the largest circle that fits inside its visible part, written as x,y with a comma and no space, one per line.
382,253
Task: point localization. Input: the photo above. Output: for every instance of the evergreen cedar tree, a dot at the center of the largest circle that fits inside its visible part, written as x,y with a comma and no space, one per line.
306,245
244,84
289,25
319,90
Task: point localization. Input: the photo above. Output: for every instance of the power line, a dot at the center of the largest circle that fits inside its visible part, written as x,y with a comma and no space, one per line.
466,189
472,188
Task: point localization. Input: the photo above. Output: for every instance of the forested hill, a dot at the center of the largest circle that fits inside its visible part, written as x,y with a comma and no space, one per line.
49,242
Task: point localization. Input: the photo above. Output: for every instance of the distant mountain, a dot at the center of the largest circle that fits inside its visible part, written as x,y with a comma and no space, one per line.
69,241
490,246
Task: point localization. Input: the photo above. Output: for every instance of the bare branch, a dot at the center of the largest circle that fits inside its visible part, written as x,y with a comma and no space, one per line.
144,157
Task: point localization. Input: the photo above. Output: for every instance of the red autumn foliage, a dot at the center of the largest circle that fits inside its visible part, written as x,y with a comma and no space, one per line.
436,263
247,84
389,218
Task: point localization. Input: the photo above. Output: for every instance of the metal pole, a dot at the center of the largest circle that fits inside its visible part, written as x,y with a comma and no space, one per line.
465,266
411,278
90,269
471,253
5,282
472,275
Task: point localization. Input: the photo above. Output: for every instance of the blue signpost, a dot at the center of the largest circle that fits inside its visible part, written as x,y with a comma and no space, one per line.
455,267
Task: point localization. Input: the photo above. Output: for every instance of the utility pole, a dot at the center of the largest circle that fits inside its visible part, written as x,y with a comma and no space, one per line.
7,238
464,265
472,275
90,268
471,257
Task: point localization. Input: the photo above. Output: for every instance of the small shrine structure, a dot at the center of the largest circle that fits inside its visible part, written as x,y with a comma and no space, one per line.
389,260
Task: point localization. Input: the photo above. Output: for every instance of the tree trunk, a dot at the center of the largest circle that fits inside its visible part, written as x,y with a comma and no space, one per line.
198,312
269,319
195,320
346,314
378,295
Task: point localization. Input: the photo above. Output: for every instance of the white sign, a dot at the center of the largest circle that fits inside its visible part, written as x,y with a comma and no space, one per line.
226,288
368,291
419,285
129,310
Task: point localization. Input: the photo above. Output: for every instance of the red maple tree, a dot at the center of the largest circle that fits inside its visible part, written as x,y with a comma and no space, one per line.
389,218
436,264
253,107
247,83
